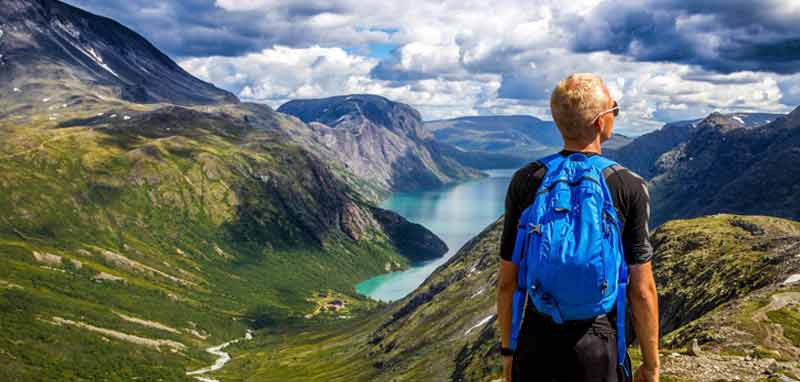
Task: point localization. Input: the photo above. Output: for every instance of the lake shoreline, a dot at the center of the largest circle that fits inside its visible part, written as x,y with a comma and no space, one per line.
455,213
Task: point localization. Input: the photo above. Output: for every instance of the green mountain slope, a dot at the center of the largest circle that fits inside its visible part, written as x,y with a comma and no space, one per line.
189,219
446,329
134,235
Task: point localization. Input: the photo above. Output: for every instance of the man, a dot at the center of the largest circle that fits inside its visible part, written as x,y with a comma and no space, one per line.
581,350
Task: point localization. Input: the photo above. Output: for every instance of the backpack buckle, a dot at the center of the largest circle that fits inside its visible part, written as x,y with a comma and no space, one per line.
535,228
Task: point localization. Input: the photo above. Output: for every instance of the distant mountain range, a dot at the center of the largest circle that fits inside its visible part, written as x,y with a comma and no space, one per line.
737,163
643,156
523,138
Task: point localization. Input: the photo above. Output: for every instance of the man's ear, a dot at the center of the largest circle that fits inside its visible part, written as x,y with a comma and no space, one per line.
599,124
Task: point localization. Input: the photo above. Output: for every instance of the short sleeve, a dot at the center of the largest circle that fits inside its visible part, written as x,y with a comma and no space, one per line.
513,210
636,232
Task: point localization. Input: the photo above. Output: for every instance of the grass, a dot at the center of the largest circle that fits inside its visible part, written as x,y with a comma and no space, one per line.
189,204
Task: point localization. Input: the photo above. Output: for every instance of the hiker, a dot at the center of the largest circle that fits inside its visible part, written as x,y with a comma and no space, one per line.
558,247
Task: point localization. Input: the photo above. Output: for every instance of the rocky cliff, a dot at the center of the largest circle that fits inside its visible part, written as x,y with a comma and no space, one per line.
724,165
381,141
643,155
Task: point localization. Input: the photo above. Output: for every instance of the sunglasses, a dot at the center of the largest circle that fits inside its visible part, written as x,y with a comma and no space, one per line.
615,109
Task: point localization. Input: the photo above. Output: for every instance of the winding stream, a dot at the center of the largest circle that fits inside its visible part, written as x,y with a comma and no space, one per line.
222,358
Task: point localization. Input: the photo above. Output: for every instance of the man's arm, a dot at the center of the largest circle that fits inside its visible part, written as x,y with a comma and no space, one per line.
642,295
506,284
644,309
507,275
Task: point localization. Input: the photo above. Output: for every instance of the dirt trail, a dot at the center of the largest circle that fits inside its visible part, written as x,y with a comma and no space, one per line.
775,338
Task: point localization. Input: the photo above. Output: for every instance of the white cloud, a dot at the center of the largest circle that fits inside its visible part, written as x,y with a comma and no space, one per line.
277,75
469,57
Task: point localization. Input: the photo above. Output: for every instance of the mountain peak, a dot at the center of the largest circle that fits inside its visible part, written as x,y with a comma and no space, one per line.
48,46
333,111
794,115
380,140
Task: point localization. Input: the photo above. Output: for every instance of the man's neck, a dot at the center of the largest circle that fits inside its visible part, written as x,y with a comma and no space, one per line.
593,146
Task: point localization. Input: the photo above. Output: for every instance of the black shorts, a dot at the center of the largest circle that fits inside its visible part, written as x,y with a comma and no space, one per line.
577,351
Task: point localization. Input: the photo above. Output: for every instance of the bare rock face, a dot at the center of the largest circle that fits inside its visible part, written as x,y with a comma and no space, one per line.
381,141
725,163
47,46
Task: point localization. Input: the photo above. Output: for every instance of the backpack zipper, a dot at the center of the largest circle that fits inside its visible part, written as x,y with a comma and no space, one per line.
607,222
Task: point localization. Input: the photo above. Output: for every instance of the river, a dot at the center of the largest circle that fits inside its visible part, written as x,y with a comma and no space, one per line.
455,214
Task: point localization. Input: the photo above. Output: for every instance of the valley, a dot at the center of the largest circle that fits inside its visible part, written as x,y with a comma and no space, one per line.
155,227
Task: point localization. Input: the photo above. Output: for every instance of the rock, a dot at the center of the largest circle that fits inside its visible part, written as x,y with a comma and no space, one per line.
47,258
694,349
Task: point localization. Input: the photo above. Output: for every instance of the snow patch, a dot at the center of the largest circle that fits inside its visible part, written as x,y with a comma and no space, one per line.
148,323
792,279
91,53
45,99
480,323
479,291
156,344
127,117
736,117
16,90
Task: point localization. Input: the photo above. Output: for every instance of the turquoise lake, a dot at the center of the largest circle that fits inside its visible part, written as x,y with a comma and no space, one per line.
455,214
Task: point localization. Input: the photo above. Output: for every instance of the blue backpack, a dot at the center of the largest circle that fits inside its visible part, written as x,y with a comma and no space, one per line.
568,248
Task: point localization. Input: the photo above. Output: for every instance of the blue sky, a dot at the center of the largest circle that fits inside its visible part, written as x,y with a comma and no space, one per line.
663,60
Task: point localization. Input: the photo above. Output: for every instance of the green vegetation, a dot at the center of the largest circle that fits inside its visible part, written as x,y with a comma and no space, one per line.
789,319
190,221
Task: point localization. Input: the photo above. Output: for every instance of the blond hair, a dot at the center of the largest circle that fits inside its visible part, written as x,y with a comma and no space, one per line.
575,102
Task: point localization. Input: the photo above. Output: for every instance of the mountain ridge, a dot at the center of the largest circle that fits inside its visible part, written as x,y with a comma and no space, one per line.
718,164
47,44
379,140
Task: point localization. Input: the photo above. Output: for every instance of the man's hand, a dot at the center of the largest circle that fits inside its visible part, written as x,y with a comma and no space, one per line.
507,361
646,374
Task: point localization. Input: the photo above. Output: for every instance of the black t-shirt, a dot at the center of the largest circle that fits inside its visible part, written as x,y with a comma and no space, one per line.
632,202
630,197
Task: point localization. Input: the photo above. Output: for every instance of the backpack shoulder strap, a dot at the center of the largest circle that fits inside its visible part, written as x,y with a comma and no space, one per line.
551,162
602,163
